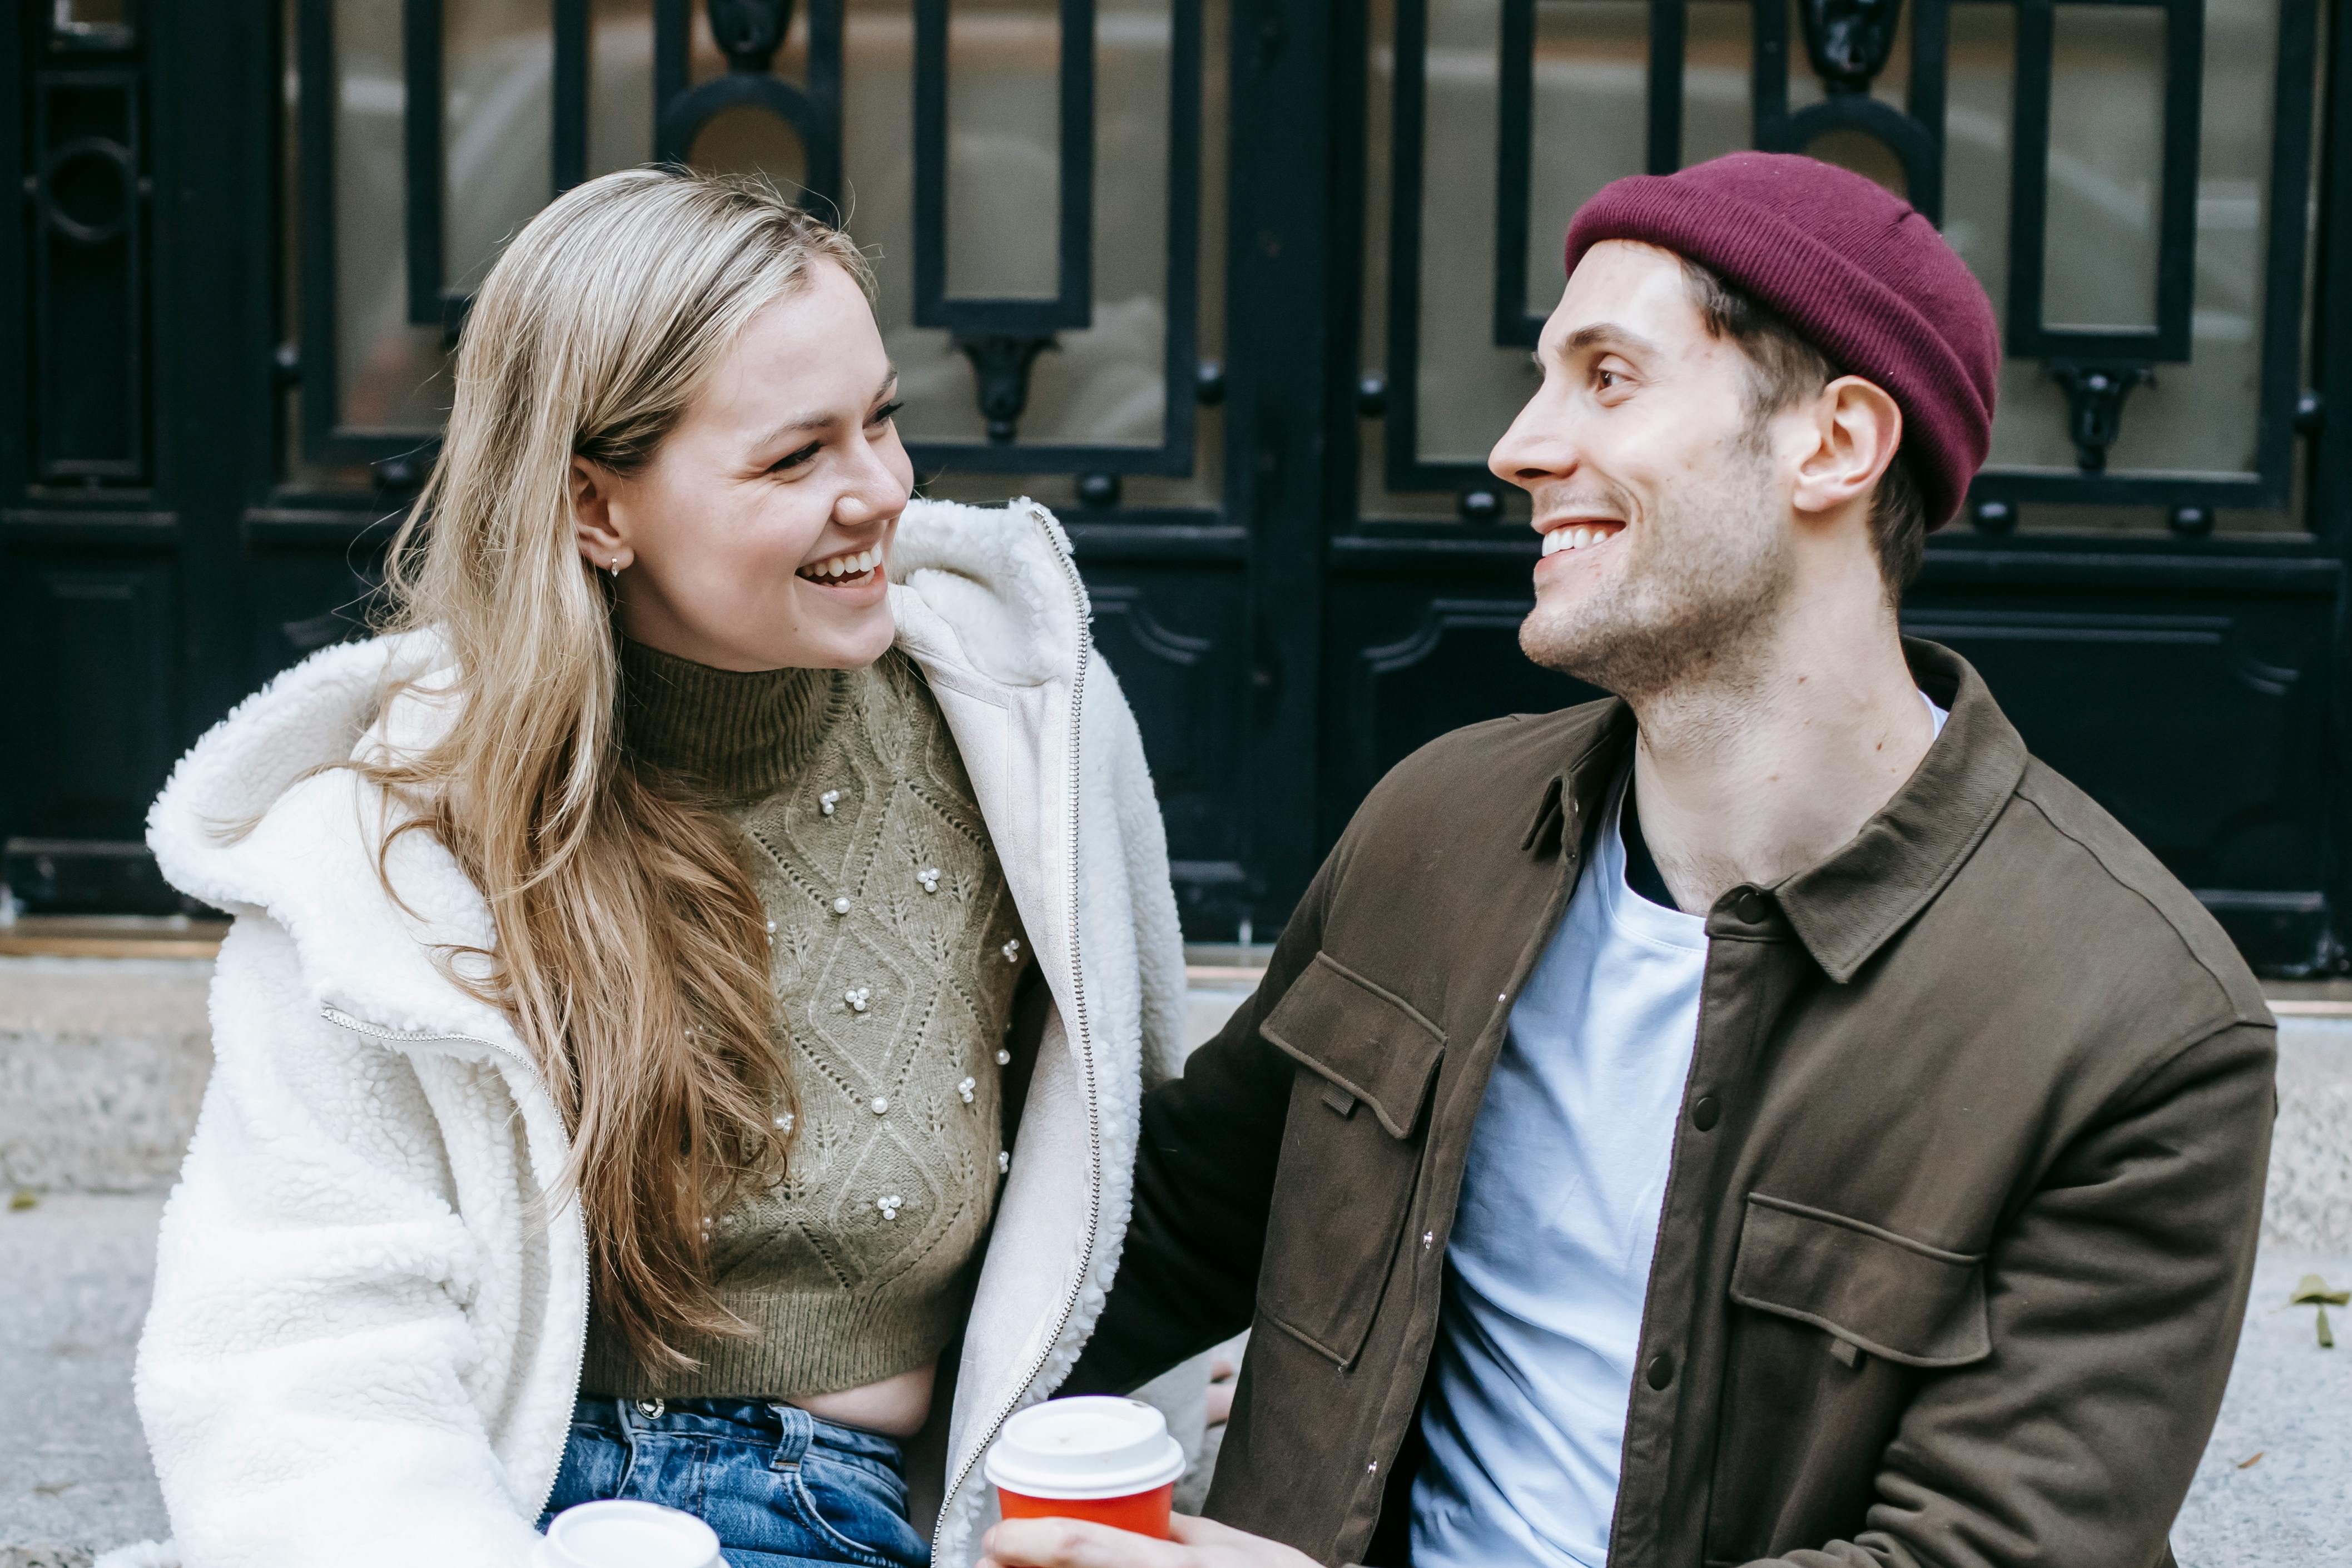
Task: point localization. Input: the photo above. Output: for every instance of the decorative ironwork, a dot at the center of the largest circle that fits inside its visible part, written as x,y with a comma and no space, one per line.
1514,323
431,302
1914,133
1002,336
2094,404
749,33
1848,41
1849,44
1000,364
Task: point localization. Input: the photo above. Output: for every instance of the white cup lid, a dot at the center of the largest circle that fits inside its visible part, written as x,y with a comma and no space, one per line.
626,1534
1090,1446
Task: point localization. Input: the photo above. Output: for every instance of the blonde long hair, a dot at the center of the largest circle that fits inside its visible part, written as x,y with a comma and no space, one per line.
631,951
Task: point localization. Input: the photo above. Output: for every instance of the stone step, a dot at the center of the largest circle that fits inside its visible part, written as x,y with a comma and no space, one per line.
102,1064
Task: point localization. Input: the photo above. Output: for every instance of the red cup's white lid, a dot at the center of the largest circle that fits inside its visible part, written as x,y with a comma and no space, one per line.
625,1533
1083,1448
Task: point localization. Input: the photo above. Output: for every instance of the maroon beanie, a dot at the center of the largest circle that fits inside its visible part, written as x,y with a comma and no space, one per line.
1850,266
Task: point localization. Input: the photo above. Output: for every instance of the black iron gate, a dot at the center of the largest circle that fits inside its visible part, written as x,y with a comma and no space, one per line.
1243,287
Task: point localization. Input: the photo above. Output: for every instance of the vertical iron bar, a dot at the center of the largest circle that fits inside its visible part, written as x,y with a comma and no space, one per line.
2029,178
930,161
2286,220
1406,114
420,114
823,154
1923,100
568,163
1078,227
1668,24
1514,157
1183,348
321,388
1768,73
673,37
2176,246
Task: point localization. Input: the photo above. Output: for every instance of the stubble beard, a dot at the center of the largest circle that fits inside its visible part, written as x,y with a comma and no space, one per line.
1711,570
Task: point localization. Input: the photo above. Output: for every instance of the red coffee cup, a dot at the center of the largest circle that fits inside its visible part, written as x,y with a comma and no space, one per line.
1109,1460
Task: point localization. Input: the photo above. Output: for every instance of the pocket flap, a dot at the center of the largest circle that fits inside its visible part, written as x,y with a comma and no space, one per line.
1884,1293
1370,1042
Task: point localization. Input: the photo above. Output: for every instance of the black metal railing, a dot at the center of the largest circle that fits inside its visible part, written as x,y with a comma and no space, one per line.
1001,337
1848,44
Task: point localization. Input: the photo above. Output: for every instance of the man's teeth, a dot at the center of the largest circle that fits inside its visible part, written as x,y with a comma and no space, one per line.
1560,538
846,565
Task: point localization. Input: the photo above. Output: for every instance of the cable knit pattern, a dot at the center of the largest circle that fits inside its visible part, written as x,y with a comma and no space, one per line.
896,947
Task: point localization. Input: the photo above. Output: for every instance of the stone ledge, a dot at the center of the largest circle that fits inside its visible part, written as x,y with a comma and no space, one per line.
103,1065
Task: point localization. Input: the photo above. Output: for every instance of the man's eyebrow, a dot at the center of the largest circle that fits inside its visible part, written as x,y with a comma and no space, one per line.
1606,336
823,421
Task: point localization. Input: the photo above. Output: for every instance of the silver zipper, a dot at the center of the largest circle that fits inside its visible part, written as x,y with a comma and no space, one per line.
341,1019
1086,1061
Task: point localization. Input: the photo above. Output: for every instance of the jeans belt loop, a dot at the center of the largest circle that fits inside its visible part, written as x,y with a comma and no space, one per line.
793,1442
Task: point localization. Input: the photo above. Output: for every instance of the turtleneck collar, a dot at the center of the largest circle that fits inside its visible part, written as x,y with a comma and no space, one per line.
740,732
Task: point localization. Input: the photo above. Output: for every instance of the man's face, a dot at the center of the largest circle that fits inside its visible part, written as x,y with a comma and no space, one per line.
1665,517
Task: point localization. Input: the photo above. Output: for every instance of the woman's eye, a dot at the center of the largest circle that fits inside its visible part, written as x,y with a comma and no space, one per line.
888,412
795,459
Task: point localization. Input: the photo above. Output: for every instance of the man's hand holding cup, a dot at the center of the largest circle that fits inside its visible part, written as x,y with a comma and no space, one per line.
1087,1483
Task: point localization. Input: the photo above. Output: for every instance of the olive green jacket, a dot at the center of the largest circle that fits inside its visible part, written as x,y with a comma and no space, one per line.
1963,1199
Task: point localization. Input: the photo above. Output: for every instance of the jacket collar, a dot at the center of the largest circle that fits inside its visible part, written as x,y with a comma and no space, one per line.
1844,908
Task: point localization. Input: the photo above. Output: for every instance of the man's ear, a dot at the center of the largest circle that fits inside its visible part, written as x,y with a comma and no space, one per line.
593,526
1856,428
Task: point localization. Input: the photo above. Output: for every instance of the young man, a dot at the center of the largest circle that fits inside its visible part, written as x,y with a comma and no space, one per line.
1767,1118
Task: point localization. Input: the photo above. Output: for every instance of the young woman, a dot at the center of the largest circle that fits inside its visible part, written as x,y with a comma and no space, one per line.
644,950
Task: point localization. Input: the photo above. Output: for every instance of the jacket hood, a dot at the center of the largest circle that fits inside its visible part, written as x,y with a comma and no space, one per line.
248,820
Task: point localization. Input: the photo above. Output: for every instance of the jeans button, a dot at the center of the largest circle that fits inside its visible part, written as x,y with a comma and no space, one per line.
1662,1370
651,1409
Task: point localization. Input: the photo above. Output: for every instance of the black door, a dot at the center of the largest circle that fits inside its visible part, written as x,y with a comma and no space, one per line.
1242,289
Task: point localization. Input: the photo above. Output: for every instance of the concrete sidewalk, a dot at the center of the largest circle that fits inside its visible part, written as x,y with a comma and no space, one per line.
2276,1486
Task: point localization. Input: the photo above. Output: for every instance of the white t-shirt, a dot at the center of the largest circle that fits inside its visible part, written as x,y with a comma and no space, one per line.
1548,1263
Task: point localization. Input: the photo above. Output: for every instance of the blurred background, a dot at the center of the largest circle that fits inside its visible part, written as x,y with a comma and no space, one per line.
1243,289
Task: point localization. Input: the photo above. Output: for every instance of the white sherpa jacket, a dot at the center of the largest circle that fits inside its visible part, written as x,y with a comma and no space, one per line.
364,1347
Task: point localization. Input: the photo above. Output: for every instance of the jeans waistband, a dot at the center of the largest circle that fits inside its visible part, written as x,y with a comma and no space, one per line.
790,1430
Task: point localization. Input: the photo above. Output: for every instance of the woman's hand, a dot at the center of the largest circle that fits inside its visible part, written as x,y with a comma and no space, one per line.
1075,1544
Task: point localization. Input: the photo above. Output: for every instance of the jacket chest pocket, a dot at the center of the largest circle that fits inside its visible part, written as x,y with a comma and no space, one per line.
1873,1291
1843,1322
1350,1153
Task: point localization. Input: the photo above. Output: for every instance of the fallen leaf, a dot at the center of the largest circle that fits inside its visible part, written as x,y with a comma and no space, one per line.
23,1198
53,1489
2244,1464
2311,1290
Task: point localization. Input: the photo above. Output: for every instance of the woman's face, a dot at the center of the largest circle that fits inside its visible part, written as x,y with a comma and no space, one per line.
757,537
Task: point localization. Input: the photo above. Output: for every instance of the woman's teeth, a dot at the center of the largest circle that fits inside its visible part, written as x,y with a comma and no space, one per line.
1560,538
841,566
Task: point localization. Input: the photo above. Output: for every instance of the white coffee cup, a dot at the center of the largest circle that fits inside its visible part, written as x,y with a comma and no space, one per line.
626,1534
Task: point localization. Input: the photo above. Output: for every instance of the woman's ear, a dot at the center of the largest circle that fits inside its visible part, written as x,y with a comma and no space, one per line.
593,522
1857,428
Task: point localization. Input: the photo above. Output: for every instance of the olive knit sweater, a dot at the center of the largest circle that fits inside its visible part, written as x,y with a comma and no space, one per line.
896,950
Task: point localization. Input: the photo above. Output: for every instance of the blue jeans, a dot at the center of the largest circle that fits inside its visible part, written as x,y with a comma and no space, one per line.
781,1488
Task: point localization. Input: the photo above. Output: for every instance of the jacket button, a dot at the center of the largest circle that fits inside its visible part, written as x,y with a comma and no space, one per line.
1662,1370
1704,1113
1749,907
